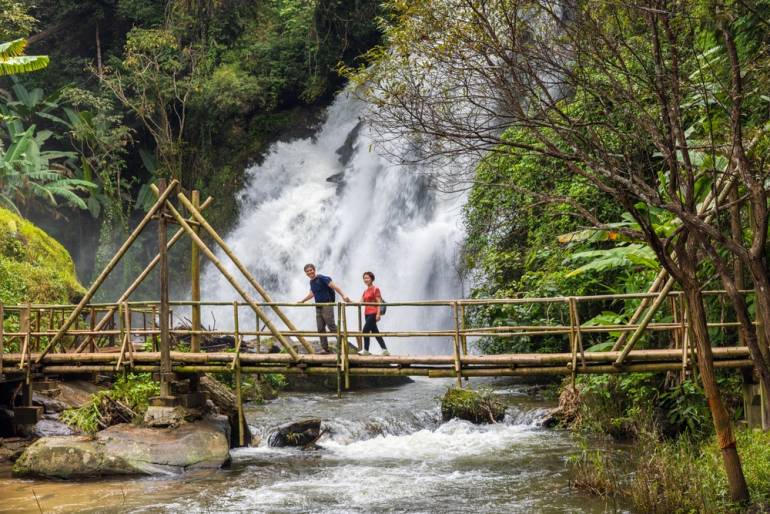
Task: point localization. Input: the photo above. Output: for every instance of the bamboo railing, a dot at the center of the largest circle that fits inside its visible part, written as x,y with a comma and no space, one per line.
101,339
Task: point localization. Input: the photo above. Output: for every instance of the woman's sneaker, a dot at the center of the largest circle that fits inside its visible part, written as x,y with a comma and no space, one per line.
364,353
385,352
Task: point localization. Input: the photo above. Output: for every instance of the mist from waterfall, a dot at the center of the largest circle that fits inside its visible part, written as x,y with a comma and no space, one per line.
331,200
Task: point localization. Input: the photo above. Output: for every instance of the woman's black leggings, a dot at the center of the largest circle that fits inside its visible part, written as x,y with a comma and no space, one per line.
371,327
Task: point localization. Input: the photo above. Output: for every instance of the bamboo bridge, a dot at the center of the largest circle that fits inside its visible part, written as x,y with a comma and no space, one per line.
39,341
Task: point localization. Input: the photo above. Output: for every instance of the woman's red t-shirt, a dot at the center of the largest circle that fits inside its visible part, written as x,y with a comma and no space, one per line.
370,295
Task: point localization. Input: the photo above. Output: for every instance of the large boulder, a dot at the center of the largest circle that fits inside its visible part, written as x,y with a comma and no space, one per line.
34,267
128,449
480,406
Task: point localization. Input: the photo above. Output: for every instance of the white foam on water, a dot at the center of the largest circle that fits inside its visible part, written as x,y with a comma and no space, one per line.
451,441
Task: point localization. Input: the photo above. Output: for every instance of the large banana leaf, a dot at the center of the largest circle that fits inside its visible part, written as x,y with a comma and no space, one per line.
22,64
13,48
12,60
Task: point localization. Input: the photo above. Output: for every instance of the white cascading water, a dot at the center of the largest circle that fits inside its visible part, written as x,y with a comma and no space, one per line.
331,200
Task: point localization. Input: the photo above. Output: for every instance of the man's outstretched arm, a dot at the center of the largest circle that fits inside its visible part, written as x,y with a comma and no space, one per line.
337,288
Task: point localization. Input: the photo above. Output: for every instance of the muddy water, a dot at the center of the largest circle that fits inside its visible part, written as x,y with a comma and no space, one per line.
383,451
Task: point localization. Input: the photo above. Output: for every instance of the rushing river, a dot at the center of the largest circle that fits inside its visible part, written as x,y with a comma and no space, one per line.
383,451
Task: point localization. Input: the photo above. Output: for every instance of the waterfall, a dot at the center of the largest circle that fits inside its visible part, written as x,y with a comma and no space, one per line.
331,200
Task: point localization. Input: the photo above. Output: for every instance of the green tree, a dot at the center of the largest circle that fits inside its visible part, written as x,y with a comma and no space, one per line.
648,102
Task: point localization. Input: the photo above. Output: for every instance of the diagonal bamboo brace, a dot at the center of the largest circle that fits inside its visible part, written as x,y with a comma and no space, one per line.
663,276
109,267
238,264
139,279
213,258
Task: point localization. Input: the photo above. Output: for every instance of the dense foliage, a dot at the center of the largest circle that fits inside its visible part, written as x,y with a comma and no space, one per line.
641,125
145,89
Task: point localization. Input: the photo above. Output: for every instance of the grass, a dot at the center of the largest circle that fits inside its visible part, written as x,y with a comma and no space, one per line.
676,476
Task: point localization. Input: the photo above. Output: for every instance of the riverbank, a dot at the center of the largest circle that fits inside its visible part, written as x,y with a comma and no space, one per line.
670,462
383,450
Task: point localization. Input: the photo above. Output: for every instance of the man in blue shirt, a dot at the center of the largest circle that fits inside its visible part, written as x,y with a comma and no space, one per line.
322,290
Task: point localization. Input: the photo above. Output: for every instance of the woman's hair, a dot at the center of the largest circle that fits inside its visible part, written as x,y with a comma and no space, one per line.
371,275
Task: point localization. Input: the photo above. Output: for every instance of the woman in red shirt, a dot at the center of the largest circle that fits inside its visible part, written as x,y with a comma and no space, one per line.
372,312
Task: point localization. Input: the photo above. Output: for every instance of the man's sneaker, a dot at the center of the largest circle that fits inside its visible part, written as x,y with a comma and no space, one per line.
324,351
385,352
364,352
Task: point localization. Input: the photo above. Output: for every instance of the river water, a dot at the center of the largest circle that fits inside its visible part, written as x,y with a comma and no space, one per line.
384,450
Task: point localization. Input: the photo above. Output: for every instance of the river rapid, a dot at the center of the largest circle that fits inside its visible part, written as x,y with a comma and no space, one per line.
383,450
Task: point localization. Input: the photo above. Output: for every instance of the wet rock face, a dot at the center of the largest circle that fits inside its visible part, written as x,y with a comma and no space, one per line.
127,449
474,406
301,433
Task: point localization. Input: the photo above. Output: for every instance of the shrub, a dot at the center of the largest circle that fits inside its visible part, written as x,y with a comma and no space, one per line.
125,401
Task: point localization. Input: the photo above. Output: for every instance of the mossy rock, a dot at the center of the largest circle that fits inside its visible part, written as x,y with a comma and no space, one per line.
34,267
480,406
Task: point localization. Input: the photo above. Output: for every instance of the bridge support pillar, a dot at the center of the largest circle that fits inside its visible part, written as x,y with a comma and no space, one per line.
166,375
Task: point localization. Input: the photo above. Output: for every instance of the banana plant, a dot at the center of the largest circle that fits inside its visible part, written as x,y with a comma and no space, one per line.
28,172
13,60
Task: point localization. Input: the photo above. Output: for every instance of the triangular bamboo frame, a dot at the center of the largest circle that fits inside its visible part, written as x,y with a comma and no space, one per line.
198,218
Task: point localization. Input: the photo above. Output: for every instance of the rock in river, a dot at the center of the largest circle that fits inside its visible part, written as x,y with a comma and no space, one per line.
129,449
301,433
480,406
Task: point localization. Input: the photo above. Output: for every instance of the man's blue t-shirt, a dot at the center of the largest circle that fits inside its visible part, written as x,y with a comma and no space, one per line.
321,290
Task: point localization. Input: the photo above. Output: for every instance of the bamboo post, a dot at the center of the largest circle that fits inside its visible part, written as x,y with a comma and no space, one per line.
245,272
463,325
92,325
344,347
37,329
239,400
237,365
109,267
572,341
215,260
123,338
165,350
28,346
359,339
195,280
154,329
457,364
24,328
129,342
675,321
339,363
645,321
140,278
578,332
237,336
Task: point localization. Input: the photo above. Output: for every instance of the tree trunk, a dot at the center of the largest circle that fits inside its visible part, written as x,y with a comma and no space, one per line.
748,333
739,491
227,403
